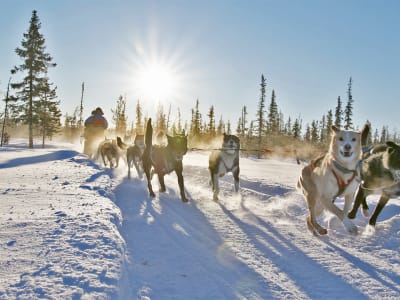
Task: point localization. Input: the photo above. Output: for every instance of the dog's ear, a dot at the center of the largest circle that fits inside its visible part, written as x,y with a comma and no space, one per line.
391,146
334,129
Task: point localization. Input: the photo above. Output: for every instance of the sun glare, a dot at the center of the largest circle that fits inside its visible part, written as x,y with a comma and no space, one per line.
157,82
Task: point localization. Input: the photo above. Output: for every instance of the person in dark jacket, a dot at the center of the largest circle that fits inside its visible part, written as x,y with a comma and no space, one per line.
95,127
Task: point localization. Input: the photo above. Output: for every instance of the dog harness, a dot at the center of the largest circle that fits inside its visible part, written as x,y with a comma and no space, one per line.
343,184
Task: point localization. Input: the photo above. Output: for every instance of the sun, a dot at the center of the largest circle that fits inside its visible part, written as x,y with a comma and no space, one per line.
157,81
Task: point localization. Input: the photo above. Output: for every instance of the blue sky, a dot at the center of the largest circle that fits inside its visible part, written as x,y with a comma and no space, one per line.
216,51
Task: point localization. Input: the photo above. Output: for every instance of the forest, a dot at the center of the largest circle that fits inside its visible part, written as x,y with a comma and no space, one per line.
31,108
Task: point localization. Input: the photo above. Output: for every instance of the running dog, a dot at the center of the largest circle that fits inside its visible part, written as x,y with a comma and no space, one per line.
163,160
109,151
134,154
380,175
223,161
337,173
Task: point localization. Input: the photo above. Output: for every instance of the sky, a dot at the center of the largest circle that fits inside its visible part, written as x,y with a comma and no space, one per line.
174,52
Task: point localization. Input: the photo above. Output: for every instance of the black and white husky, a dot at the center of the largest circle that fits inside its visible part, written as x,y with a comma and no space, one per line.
223,161
380,175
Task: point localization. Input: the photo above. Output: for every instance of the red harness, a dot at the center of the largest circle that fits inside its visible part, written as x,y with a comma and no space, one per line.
342,184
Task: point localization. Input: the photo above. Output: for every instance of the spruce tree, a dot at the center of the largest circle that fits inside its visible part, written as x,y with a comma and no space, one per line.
119,116
139,119
261,111
273,115
338,113
211,121
48,112
35,64
297,129
348,112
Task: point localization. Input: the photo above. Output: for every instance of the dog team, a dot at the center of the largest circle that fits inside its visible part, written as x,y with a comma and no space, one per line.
349,169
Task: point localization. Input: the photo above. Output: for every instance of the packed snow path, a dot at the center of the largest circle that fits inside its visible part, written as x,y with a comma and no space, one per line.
73,229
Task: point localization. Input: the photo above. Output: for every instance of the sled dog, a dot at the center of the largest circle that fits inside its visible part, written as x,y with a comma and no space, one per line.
134,154
380,175
109,151
223,161
337,173
162,160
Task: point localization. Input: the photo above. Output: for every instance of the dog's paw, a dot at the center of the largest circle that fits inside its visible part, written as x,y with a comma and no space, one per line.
351,215
351,228
365,212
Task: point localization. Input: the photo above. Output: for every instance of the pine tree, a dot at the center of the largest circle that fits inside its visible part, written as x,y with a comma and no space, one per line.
179,126
314,136
48,112
338,113
323,130
261,111
376,136
228,128
211,121
161,119
297,129
288,127
273,115
221,126
36,64
196,120
348,112
119,116
139,118
244,121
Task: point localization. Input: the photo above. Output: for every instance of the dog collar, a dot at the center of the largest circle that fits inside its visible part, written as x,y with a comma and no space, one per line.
345,170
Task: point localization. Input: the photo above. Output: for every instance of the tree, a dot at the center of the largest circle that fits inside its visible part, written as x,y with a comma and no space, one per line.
221,126
296,129
348,111
179,126
36,64
161,119
195,128
314,136
139,118
119,116
273,115
338,113
48,113
211,121
261,110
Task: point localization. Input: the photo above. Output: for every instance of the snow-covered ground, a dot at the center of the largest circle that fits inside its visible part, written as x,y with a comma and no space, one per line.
71,229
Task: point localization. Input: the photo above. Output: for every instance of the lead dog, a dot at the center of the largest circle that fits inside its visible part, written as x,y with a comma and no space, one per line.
134,154
380,175
164,159
337,173
223,161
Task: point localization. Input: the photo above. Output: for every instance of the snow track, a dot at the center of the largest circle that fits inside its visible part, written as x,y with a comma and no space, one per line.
254,244
74,230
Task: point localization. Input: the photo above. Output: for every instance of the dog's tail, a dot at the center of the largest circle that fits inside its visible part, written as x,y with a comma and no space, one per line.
148,138
364,134
121,144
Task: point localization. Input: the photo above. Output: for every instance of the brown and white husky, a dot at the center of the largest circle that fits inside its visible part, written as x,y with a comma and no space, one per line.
335,174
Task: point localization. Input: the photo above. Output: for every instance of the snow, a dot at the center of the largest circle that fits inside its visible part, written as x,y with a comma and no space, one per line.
72,229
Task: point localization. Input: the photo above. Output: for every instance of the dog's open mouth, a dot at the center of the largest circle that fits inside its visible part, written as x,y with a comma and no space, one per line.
346,153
